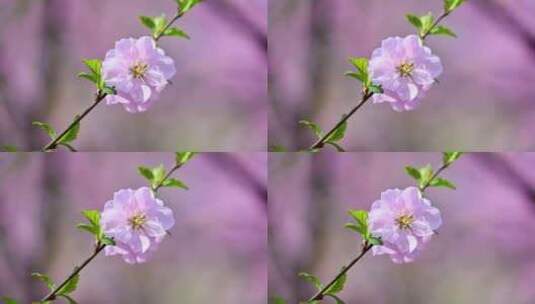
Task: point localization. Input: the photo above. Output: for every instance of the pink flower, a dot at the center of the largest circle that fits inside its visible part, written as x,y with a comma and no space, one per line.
404,221
138,70
405,68
137,222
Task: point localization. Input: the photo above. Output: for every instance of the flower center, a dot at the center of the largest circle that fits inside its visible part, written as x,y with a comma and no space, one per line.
405,69
405,221
137,221
139,69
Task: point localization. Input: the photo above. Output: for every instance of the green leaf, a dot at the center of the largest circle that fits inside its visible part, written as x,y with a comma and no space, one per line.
7,300
71,134
90,77
89,228
442,30
44,278
450,5
70,286
442,182
148,22
146,172
8,148
425,175
375,241
361,222
449,157
93,216
158,174
311,279
336,146
46,127
94,65
314,127
361,65
427,22
159,24
415,173
172,182
186,5
175,31
183,157
338,285
338,134
69,299
414,20
95,76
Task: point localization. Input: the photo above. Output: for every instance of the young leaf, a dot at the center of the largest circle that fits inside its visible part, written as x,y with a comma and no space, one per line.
442,182
148,22
70,286
338,285
311,279
425,175
314,127
414,20
361,65
44,278
442,30
146,172
338,134
107,241
93,216
450,5
183,157
95,68
175,31
361,222
186,5
172,182
449,157
89,228
71,134
413,172
158,174
46,127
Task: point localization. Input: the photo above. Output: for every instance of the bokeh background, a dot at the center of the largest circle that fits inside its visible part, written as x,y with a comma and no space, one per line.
484,101
217,101
216,250
484,253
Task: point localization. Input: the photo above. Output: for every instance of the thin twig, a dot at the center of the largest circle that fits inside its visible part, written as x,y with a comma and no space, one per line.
54,143
52,295
160,184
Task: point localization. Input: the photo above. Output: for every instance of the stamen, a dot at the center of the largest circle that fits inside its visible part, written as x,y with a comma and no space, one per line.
139,69
405,69
137,221
405,221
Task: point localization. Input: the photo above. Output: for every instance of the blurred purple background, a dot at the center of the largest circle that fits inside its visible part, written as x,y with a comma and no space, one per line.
217,101
484,252
484,101
217,249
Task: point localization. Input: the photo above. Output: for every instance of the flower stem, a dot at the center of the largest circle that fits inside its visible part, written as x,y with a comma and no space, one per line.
319,296
321,142
52,295
55,142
